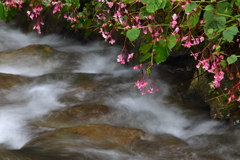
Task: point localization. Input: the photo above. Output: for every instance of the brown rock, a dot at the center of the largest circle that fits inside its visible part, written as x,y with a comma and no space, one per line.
72,116
7,80
125,141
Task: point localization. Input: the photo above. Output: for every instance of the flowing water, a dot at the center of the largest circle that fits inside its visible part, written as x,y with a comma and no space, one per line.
161,113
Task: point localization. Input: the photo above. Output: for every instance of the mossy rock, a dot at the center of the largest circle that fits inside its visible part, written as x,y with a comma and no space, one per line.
235,118
220,108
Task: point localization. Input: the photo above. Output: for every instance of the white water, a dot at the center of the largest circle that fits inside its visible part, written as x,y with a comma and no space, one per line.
152,113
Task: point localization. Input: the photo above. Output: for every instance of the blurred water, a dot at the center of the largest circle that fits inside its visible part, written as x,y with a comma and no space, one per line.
155,114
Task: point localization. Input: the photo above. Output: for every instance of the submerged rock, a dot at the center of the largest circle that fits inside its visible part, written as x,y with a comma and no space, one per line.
9,80
19,155
35,60
72,116
101,137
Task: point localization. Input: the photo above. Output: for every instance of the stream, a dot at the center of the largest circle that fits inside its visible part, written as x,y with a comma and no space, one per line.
61,99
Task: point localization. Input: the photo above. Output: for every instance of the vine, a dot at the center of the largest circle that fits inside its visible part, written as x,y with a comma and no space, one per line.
209,28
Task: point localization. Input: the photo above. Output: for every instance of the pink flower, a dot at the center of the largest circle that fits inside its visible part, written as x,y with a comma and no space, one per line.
110,4
150,90
201,22
188,44
120,59
176,30
206,66
135,67
129,57
173,23
141,84
112,41
174,16
145,31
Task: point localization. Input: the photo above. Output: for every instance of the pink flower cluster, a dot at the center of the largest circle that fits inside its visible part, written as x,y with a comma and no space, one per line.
174,22
156,36
232,96
213,67
36,13
142,86
57,5
106,35
122,60
194,41
14,3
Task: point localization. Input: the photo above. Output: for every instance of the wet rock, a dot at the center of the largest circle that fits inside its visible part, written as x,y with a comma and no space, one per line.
72,116
19,155
235,118
84,136
220,109
43,51
35,60
131,141
8,80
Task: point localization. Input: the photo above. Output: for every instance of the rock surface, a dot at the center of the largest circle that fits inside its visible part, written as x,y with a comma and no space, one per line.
73,140
73,116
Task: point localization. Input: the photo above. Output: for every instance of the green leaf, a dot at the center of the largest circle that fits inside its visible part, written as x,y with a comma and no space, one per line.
153,5
145,47
145,57
2,11
217,23
143,13
168,6
190,6
224,8
148,71
171,41
223,64
209,7
76,2
46,2
209,13
232,59
145,1
230,32
161,51
133,33
193,20
164,4
79,25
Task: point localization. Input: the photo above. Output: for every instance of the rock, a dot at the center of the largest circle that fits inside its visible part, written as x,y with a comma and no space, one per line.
39,50
84,136
220,109
235,118
9,80
72,116
19,155
80,139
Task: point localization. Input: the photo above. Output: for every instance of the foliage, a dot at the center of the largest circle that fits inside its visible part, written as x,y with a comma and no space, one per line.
209,28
